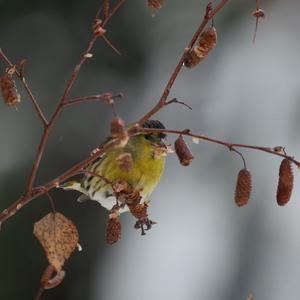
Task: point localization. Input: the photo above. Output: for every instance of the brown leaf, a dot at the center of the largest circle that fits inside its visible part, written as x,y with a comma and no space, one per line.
58,236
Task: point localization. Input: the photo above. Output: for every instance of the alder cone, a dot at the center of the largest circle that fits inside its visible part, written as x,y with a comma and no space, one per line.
9,90
183,152
113,230
243,187
207,41
285,182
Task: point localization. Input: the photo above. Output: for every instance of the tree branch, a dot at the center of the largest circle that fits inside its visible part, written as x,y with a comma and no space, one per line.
209,14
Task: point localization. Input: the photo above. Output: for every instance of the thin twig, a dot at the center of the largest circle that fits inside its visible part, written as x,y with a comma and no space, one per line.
209,14
61,104
216,141
27,88
106,98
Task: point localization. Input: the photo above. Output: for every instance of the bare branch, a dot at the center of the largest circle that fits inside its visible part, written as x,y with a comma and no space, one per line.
209,14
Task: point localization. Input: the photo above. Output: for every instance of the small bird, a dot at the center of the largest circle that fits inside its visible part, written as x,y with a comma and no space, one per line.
147,153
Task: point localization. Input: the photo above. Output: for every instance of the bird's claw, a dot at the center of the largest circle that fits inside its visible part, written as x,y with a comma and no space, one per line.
144,224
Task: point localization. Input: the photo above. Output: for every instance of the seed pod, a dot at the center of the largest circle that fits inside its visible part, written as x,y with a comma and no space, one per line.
113,230
184,154
243,187
117,127
9,90
125,162
285,182
157,4
207,41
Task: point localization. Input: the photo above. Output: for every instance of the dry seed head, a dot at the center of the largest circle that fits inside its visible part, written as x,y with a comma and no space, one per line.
207,41
184,154
157,4
243,187
125,161
139,211
9,90
285,182
113,230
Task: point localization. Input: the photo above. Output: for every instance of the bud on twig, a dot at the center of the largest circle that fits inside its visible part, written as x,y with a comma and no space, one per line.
113,230
259,13
157,4
243,188
118,129
9,90
285,182
98,30
184,154
207,41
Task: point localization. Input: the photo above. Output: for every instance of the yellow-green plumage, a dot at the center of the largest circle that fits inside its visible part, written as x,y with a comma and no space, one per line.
147,168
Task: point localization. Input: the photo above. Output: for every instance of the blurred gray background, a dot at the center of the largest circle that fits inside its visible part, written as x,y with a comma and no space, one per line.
203,247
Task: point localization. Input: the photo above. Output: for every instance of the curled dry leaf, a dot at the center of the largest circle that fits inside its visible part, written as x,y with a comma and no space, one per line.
183,152
243,187
285,182
58,236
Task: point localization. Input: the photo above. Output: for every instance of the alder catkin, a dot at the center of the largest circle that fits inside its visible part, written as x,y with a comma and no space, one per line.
243,187
183,152
157,4
207,41
9,90
285,182
113,230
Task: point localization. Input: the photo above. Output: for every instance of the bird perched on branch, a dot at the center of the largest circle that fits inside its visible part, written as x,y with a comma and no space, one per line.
139,164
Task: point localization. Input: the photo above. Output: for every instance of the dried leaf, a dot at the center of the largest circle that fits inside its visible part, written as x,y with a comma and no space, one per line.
58,236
